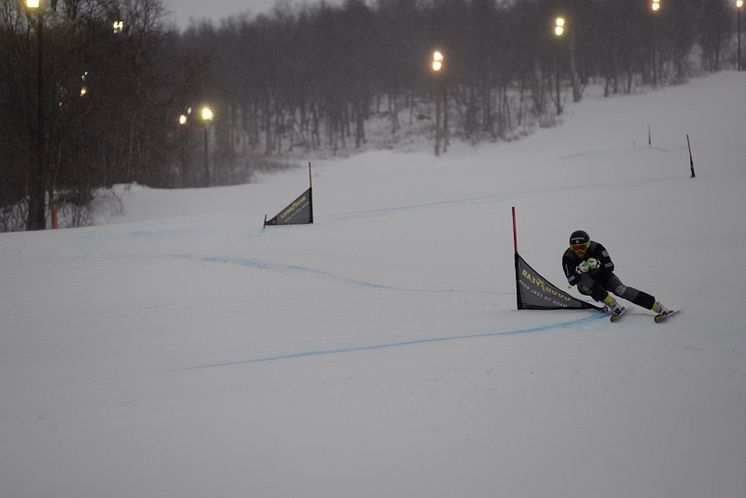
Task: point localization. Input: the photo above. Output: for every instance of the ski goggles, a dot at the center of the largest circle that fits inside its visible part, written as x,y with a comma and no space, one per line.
580,247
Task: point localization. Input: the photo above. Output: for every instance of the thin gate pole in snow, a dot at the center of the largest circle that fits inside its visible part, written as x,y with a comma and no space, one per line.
519,305
310,194
691,160
515,236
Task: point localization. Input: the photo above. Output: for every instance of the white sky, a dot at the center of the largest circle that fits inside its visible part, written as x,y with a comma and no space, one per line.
184,10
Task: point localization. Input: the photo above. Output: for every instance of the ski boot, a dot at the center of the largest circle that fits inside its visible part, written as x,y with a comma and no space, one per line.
661,312
617,310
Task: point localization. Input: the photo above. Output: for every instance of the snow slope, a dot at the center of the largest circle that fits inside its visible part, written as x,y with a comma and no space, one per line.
180,350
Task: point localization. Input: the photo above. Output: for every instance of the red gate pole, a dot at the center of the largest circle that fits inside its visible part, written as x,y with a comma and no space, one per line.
519,303
515,234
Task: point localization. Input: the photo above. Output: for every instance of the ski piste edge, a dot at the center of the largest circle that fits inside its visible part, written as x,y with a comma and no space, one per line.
663,318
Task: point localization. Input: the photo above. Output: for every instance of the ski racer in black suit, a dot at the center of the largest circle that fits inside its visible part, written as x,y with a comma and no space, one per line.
588,266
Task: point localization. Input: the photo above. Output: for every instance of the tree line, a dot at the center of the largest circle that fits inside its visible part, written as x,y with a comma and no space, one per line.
116,77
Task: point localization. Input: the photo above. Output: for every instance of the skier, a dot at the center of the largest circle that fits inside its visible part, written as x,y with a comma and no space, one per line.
587,264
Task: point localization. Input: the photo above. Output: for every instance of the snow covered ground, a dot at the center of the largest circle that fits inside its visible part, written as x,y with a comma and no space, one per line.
180,350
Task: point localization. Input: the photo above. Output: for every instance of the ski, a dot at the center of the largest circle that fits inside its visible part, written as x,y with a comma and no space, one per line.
615,317
663,318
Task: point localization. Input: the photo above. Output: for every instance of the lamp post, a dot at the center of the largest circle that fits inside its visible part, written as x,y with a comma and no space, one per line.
739,6
655,7
559,31
36,210
207,115
185,156
438,66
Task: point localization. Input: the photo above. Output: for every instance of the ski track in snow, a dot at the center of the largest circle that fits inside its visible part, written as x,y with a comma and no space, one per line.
614,152
271,266
398,344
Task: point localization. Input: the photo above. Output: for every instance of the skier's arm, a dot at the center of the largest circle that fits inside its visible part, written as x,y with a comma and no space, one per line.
603,257
569,268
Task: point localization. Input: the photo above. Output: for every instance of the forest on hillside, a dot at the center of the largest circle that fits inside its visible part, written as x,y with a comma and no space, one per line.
99,92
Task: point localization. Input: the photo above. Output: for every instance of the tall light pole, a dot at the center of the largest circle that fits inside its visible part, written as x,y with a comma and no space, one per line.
655,6
739,7
207,115
559,31
36,209
185,155
438,66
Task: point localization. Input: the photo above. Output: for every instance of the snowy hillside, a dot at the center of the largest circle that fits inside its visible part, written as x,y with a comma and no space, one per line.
181,350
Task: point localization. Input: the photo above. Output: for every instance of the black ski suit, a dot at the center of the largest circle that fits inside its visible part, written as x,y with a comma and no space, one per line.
599,282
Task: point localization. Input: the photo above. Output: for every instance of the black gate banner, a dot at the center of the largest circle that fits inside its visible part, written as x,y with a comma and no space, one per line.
534,292
299,212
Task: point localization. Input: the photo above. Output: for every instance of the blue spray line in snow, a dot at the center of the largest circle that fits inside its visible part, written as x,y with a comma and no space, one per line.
388,345
268,265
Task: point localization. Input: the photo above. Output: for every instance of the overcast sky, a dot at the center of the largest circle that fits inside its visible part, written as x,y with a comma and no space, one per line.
183,10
